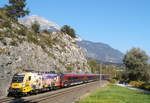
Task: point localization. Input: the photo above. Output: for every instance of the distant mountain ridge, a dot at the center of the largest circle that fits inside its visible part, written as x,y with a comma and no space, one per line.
101,52
44,23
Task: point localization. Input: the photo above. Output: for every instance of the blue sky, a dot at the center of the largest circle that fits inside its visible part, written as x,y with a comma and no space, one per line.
122,24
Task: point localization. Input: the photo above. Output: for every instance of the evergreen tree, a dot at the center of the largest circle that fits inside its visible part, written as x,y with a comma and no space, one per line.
36,27
68,30
16,9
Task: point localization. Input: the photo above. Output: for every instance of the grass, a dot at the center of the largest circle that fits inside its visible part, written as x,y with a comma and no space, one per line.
116,94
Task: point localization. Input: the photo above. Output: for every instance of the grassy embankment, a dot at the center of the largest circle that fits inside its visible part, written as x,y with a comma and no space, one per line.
116,94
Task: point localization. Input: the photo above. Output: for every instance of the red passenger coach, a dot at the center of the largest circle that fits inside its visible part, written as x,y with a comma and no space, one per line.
68,79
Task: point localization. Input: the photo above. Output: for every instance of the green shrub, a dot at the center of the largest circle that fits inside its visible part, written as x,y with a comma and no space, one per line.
136,83
146,86
112,81
1,17
140,84
46,31
13,43
69,68
36,27
68,30
22,32
32,38
6,24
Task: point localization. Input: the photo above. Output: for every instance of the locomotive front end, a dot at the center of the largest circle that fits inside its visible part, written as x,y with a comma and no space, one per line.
17,85
21,84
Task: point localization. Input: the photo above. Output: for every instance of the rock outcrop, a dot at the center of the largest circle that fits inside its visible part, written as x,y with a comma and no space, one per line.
21,48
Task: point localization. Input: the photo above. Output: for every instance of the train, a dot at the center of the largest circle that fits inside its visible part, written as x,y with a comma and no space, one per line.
29,82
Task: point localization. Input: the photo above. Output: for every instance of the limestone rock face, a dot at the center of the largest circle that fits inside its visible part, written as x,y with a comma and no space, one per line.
22,49
63,56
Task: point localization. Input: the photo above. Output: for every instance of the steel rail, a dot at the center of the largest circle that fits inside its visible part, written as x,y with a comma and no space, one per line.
55,95
4,100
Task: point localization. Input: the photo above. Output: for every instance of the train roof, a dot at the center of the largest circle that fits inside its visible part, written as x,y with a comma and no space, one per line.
78,74
49,75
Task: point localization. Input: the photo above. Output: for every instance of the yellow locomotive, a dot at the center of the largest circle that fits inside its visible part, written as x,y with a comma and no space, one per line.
24,83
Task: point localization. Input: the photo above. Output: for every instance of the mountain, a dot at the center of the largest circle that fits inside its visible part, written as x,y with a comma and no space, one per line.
101,52
44,23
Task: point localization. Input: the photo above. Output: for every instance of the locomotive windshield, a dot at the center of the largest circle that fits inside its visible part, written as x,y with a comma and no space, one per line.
18,79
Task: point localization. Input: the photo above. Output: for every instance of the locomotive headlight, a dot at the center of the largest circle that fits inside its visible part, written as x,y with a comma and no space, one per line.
23,85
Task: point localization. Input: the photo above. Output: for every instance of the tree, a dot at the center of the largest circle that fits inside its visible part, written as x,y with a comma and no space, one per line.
16,9
93,65
136,63
36,27
68,30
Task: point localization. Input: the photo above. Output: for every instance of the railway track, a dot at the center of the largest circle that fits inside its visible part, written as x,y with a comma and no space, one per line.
53,96
4,100
49,96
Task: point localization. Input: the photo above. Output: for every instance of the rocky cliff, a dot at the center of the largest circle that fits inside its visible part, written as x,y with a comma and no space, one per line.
21,48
